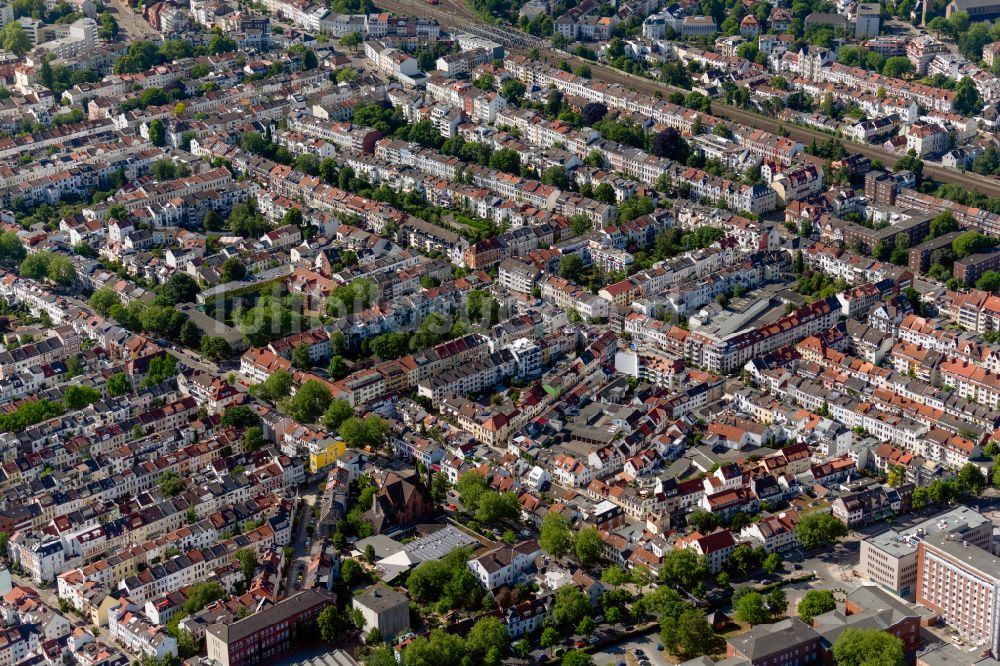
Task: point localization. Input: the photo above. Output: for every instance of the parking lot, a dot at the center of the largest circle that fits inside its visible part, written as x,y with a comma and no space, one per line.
622,652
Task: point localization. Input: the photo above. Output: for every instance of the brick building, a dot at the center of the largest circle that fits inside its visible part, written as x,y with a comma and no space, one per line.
268,633
971,268
790,641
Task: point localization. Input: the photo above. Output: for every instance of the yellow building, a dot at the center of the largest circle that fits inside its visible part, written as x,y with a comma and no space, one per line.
323,453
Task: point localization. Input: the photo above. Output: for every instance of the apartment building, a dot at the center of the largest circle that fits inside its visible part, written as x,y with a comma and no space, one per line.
504,564
133,631
961,582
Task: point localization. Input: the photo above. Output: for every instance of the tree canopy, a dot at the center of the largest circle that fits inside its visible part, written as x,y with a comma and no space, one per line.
867,647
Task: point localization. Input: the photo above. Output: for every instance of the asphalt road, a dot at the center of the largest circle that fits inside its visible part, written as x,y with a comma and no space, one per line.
453,13
133,26
300,560
191,360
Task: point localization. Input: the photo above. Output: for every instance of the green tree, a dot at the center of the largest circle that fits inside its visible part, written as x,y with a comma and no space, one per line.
11,248
615,575
684,568
300,357
971,479
351,40
703,521
338,412
367,432
816,602
351,572
897,66
777,603
119,384
190,335
253,439
550,637
687,634
556,177
332,624
507,160
309,402
967,100
750,608
215,348
772,564
470,487
169,484
61,271
486,634
276,387
819,529
78,397
577,658
221,44
440,487
570,267
108,28
990,281
438,648
233,270
157,132
971,242
867,647
180,288
248,563
571,606
35,266
15,39
942,224
512,91
589,546
497,507
75,368
239,416
556,536
309,60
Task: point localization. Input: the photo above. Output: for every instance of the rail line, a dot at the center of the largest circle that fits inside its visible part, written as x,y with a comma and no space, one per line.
454,14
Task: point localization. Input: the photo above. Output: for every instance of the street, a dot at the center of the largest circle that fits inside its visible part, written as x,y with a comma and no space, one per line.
133,26
300,558
194,361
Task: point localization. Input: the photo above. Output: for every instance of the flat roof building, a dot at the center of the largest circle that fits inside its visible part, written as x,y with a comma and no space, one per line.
890,559
961,582
384,609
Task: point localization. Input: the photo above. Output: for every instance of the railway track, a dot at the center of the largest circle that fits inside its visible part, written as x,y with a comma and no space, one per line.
454,14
